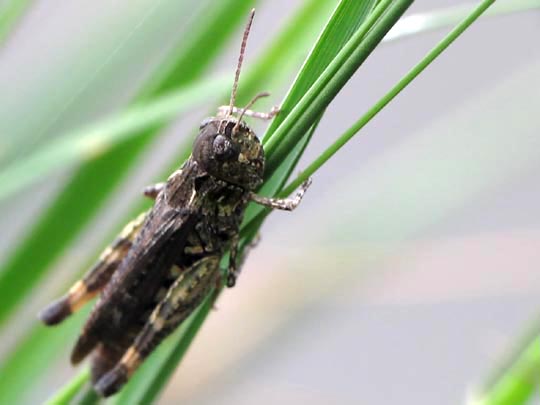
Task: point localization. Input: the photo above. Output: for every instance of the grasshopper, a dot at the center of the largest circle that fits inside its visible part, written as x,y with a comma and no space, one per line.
165,262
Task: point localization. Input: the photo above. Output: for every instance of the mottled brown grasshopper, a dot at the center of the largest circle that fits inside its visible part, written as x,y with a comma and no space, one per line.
165,262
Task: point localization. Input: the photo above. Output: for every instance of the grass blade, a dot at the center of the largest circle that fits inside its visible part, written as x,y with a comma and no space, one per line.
518,383
326,87
99,138
404,82
32,360
344,22
70,391
10,13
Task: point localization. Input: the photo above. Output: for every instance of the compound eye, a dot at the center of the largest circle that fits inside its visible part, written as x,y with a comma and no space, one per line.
223,148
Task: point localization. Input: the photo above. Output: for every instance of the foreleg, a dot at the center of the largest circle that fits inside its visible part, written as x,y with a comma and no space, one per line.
287,204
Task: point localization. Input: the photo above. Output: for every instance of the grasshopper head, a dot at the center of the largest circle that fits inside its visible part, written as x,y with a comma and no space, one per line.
230,152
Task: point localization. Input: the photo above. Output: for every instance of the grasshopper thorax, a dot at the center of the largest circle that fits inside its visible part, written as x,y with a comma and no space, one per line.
230,151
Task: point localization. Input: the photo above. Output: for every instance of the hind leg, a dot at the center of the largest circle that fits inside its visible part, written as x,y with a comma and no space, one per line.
286,204
104,358
94,281
182,298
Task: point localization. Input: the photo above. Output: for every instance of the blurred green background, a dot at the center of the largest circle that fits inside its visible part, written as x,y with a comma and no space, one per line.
410,269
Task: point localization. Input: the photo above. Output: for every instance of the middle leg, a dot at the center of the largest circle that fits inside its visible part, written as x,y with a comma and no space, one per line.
235,263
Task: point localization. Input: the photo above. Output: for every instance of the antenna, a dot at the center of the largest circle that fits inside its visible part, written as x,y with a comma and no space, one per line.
240,60
253,100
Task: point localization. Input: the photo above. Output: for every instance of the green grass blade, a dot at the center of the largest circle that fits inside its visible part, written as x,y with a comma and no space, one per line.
70,391
331,81
517,380
92,184
38,350
345,20
87,397
99,138
200,48
404,82
69,87
10,13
